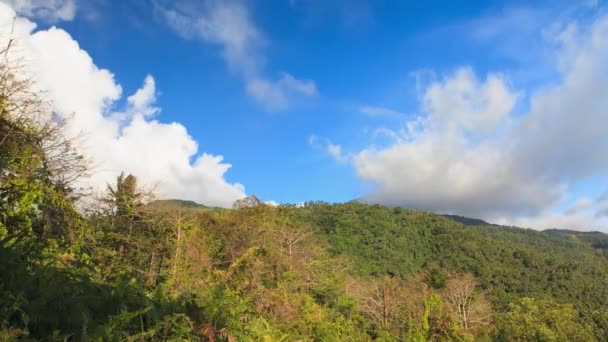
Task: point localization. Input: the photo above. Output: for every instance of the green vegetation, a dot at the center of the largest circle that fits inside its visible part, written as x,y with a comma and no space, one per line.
133,269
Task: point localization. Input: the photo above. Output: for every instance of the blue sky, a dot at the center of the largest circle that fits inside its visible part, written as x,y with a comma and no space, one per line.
312,100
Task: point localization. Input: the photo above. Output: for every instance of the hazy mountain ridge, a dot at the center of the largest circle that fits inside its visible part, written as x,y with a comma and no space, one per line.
179,204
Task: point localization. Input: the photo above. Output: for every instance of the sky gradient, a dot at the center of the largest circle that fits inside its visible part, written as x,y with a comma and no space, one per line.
496,110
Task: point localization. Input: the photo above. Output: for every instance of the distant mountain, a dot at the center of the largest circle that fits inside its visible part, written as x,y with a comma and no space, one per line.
596,240
569,232
181,204
467,221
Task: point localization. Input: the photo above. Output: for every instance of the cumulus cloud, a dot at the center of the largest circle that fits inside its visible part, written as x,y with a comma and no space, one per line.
470,154
130,140
461,103
228,24
439,165
142,102
46,10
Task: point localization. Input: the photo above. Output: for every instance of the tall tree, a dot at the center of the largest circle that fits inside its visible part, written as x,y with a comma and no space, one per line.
467,302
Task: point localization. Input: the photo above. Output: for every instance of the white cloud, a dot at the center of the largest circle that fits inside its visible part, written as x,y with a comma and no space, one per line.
463,103
131,141
46,10
142,102
585,214
380,111
324,144
563,136
296,86
225,23
335,151
470,154
228,24
438,166
277,95
581,222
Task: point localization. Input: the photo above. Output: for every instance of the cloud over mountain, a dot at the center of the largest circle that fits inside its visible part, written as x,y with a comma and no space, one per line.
470,152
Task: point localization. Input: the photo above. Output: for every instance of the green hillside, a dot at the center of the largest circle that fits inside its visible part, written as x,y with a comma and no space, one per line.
321,272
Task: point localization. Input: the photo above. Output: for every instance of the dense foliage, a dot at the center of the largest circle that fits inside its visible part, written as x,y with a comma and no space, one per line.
133,269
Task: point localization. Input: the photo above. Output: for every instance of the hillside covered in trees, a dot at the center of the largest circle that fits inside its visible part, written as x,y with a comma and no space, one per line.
127,268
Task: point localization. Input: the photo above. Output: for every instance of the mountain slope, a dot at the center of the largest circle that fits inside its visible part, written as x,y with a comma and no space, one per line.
509,262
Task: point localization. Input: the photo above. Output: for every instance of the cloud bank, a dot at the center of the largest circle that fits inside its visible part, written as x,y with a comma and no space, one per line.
131,139
471,153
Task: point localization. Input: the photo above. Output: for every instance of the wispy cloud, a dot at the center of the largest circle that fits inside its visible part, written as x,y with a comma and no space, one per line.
325,145
229,25
380,111
580,205
45,10
277,94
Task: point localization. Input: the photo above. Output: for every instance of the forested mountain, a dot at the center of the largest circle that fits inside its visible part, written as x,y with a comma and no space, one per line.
468,221
133,269
168,204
